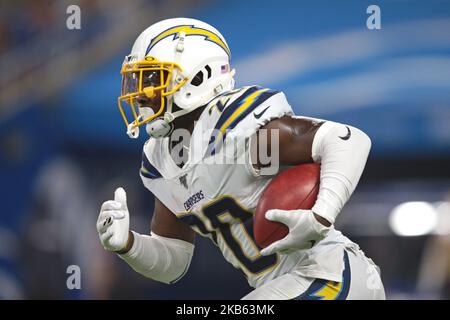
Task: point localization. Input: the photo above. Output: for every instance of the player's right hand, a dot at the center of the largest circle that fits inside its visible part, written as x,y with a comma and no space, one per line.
113,222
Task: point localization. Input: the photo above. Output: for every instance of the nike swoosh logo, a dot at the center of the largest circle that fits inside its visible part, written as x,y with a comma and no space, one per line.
349,133
257,116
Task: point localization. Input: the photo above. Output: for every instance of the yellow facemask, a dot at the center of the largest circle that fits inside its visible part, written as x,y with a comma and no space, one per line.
148,78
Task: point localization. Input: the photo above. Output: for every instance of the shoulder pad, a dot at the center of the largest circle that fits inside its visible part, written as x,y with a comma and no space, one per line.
253,108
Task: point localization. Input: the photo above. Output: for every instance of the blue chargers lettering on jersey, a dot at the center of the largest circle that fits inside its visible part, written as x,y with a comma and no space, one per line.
147,170
235,112
192,200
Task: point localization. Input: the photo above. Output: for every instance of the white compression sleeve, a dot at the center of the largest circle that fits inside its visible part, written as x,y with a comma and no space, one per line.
160,258
342,152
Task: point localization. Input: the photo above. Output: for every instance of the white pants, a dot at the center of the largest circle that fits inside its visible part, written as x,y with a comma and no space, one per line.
360,281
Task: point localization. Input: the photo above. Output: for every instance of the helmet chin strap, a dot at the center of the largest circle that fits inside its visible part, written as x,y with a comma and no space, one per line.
159,128
133,132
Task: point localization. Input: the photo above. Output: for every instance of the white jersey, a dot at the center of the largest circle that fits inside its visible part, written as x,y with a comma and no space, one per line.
217,190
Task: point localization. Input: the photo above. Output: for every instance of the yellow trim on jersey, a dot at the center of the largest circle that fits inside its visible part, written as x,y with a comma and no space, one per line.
330,291
182,214
248,101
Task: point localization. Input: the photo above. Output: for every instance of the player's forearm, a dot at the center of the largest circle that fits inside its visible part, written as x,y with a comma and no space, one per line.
159,258
342,151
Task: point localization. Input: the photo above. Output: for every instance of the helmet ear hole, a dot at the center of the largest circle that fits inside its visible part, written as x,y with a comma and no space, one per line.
208,69
198,79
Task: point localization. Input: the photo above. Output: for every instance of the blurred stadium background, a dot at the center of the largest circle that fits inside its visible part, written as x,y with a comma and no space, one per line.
63,147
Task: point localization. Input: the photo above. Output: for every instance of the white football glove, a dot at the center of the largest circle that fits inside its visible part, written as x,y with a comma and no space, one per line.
304,231
113,222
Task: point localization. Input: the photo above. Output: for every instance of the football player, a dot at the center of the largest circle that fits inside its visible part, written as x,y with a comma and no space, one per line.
178,77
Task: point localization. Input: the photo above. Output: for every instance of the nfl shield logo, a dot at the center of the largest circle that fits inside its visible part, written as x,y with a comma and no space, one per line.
183,181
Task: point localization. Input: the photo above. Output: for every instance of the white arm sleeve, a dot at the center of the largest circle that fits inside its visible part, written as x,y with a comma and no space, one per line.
342,152
159,258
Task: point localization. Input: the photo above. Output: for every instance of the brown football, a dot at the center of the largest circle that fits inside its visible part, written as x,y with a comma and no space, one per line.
294,188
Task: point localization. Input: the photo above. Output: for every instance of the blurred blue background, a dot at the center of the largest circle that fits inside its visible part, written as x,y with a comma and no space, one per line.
63,147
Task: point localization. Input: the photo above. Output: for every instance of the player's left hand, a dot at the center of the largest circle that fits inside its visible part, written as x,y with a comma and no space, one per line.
113,222
304,230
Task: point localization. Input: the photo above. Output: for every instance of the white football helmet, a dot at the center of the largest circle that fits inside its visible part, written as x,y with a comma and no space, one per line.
183,62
